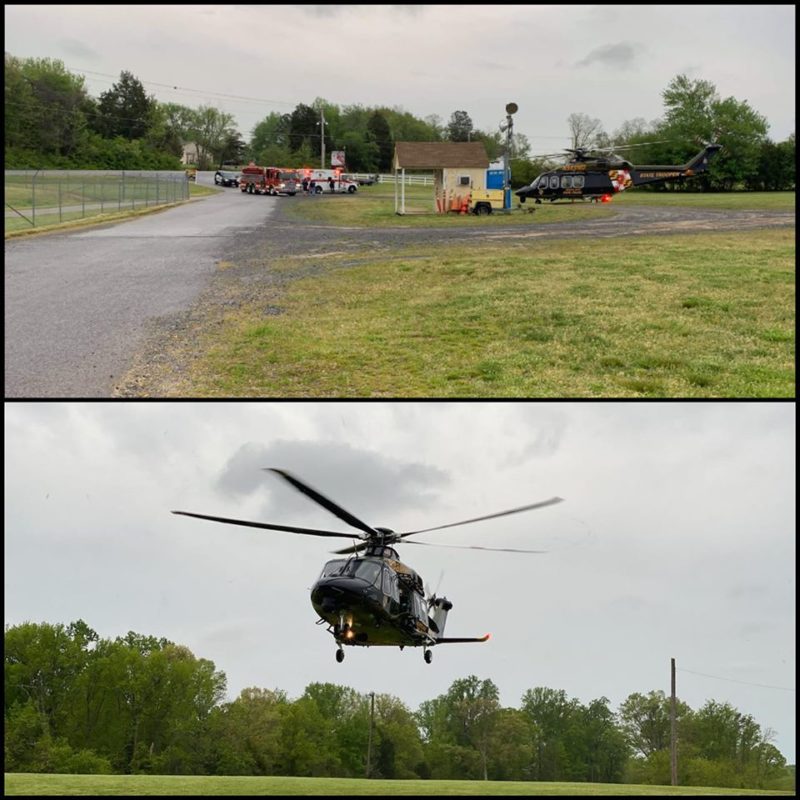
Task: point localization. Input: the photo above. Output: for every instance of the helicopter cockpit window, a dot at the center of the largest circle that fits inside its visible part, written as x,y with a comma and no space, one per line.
390,584
333,568
566,181
368,571
554,181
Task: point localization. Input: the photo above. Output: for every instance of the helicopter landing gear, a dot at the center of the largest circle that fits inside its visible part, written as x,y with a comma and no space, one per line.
428,656
340,655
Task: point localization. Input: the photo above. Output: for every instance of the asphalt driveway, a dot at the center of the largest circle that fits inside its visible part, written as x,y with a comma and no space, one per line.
77,305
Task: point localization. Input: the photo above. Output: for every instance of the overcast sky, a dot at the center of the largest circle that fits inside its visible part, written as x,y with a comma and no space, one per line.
610,62
676,539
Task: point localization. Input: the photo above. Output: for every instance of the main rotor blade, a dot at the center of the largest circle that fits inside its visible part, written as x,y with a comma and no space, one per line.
268,526
343,515
357,548
552,501
476,547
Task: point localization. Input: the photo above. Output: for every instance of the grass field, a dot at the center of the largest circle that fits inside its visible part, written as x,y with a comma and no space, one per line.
708,315
35,784
736,201
374,205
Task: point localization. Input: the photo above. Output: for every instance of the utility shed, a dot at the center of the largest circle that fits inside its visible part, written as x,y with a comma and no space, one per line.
458,168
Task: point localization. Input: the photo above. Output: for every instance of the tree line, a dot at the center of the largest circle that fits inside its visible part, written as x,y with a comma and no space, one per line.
52,121
77,703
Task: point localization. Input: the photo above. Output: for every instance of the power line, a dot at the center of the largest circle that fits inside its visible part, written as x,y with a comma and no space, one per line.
198,91
733,680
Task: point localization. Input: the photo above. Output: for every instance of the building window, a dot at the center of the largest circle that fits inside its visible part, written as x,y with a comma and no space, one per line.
463,180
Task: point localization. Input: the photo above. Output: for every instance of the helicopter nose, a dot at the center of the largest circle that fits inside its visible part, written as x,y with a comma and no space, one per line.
334,593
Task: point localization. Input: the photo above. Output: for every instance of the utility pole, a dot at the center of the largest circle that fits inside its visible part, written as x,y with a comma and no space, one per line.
673,739
322,138
369,740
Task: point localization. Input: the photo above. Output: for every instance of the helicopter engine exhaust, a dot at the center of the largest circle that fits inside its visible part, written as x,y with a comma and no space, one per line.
440,608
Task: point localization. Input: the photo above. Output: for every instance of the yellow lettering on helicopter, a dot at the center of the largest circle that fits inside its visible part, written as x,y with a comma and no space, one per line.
574,167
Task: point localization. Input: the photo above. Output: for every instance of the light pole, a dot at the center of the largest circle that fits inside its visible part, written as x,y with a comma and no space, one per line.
511,109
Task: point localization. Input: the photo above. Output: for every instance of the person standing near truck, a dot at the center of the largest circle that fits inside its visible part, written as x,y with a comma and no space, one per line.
331,184
312,187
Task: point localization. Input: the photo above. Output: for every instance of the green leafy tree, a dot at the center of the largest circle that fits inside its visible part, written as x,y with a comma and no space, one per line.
695,114
212,131
776,171
246,734
380,134
512,746
459,128
645,721
45,107
125,109
270,135
171,127
362,154
304,128
399,747
552,714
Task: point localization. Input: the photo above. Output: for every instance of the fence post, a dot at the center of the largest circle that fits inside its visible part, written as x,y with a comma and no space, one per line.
33,199
156,188
59,202
101,197
83,198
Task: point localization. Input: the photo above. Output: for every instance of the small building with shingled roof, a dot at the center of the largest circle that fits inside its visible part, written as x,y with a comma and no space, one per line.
458,169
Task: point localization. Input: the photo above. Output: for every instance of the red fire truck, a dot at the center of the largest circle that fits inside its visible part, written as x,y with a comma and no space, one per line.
268,180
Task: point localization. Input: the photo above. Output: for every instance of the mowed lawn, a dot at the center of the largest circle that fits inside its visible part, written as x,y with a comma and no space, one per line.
700,315
31,784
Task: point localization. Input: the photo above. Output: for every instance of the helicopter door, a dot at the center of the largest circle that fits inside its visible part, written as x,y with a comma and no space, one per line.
391,595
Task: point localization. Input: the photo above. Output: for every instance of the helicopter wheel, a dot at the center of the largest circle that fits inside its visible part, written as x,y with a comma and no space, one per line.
428,656
340,655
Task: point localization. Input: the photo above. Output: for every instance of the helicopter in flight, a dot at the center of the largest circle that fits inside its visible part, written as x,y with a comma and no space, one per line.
600,174
370,598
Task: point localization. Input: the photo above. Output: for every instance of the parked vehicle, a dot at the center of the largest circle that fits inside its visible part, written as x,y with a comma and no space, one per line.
362,180
323,177
226,178
267,180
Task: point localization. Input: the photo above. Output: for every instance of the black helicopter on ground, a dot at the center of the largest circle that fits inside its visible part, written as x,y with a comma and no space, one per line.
371,598
600,174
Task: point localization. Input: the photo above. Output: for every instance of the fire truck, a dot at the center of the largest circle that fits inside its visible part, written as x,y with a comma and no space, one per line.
322,180
268,180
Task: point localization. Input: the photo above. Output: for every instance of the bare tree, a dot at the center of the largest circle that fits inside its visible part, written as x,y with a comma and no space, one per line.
583,129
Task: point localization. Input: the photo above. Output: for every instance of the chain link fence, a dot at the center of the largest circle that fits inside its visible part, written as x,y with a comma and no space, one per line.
35,198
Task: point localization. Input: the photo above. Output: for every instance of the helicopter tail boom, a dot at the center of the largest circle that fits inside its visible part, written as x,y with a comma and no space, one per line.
653,173
462,640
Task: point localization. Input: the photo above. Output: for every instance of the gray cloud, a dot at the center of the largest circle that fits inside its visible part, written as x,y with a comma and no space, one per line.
74,47
620,56
362,481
